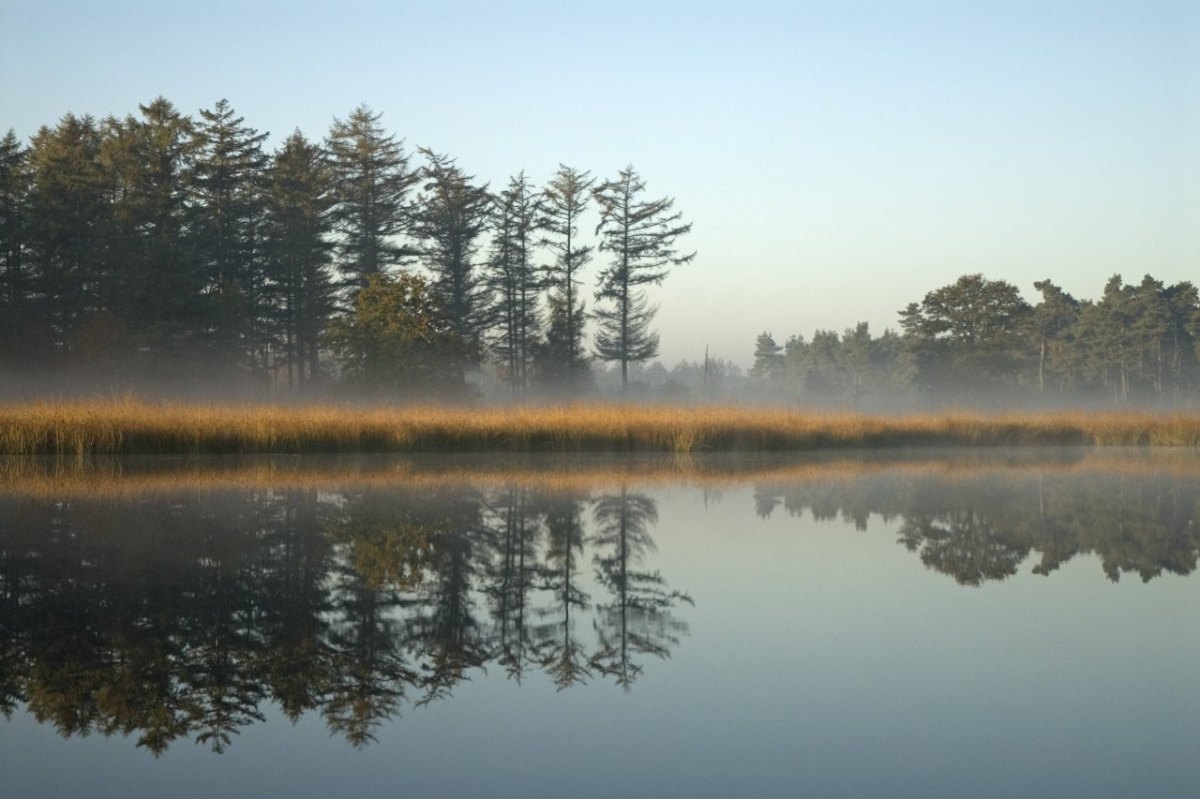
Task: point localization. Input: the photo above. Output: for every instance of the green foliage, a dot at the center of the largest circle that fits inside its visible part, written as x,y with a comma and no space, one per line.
299,199
640,236
397,339
515,280
768,358
967,338
563,360
225,217
453,212
372,179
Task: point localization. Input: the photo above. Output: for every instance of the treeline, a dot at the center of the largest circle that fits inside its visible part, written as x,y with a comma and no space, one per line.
978,341
166,247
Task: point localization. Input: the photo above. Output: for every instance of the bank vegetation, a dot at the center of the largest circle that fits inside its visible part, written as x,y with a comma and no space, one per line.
133,427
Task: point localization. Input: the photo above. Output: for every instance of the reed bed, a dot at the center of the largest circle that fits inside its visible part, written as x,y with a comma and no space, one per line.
133,427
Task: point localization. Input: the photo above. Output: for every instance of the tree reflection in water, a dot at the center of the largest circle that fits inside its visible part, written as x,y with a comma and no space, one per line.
168,617
180,614
983,528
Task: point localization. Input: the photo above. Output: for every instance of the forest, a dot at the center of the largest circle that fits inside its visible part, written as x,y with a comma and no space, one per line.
174,253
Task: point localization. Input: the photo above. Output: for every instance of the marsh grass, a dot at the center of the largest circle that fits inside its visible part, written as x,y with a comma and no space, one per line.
132,427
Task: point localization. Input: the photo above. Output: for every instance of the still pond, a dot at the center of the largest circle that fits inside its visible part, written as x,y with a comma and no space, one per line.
1004,623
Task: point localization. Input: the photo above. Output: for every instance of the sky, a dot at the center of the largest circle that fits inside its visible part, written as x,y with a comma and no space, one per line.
837,160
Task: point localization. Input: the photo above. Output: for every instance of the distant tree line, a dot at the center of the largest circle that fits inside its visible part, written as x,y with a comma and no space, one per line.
168,247
977,341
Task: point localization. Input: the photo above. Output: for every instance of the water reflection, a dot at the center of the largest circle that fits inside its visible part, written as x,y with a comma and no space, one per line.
183,613
179,616
982,526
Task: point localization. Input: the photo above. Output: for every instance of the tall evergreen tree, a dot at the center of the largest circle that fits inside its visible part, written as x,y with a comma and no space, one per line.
14,196
640,236
14,266
564,357
1053,320
166,304
453,213
225,214
1103,327
298,202
66,204
515,280
372,215
768,358
1183,338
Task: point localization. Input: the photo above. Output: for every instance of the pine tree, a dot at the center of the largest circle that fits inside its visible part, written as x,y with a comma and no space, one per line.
564,358
768,358
14,197
1052,321
298,202
453,213
640,236
372,213
1183,302
166,309
514,279
14,266
66,203
225,214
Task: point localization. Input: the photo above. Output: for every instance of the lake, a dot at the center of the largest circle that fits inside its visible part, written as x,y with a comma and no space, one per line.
1009,623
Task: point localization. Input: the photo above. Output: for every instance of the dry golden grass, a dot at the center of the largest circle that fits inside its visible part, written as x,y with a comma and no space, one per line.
125,427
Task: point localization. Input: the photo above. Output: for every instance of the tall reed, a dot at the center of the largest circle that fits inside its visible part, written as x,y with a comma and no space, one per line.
125,427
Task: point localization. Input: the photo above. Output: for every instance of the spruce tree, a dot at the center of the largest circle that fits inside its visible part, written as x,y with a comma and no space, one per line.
564,358
167,310
452,214
372,214
66,202
14,275
299,197
515,280
640,237
225,214
14,197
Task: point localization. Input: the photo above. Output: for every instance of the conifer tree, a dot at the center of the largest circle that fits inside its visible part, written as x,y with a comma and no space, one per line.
166,306
298,202
564,358
453,213
1052,321
768,358
640,237
14,196
66,202
225,214
14,213
514,279
372,215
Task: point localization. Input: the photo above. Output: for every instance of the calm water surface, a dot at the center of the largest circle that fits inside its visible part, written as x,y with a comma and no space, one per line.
983,624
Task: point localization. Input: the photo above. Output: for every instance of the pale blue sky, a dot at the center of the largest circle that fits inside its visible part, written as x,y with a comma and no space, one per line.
838,160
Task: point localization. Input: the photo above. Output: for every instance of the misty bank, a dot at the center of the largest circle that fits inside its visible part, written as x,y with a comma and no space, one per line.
131,427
